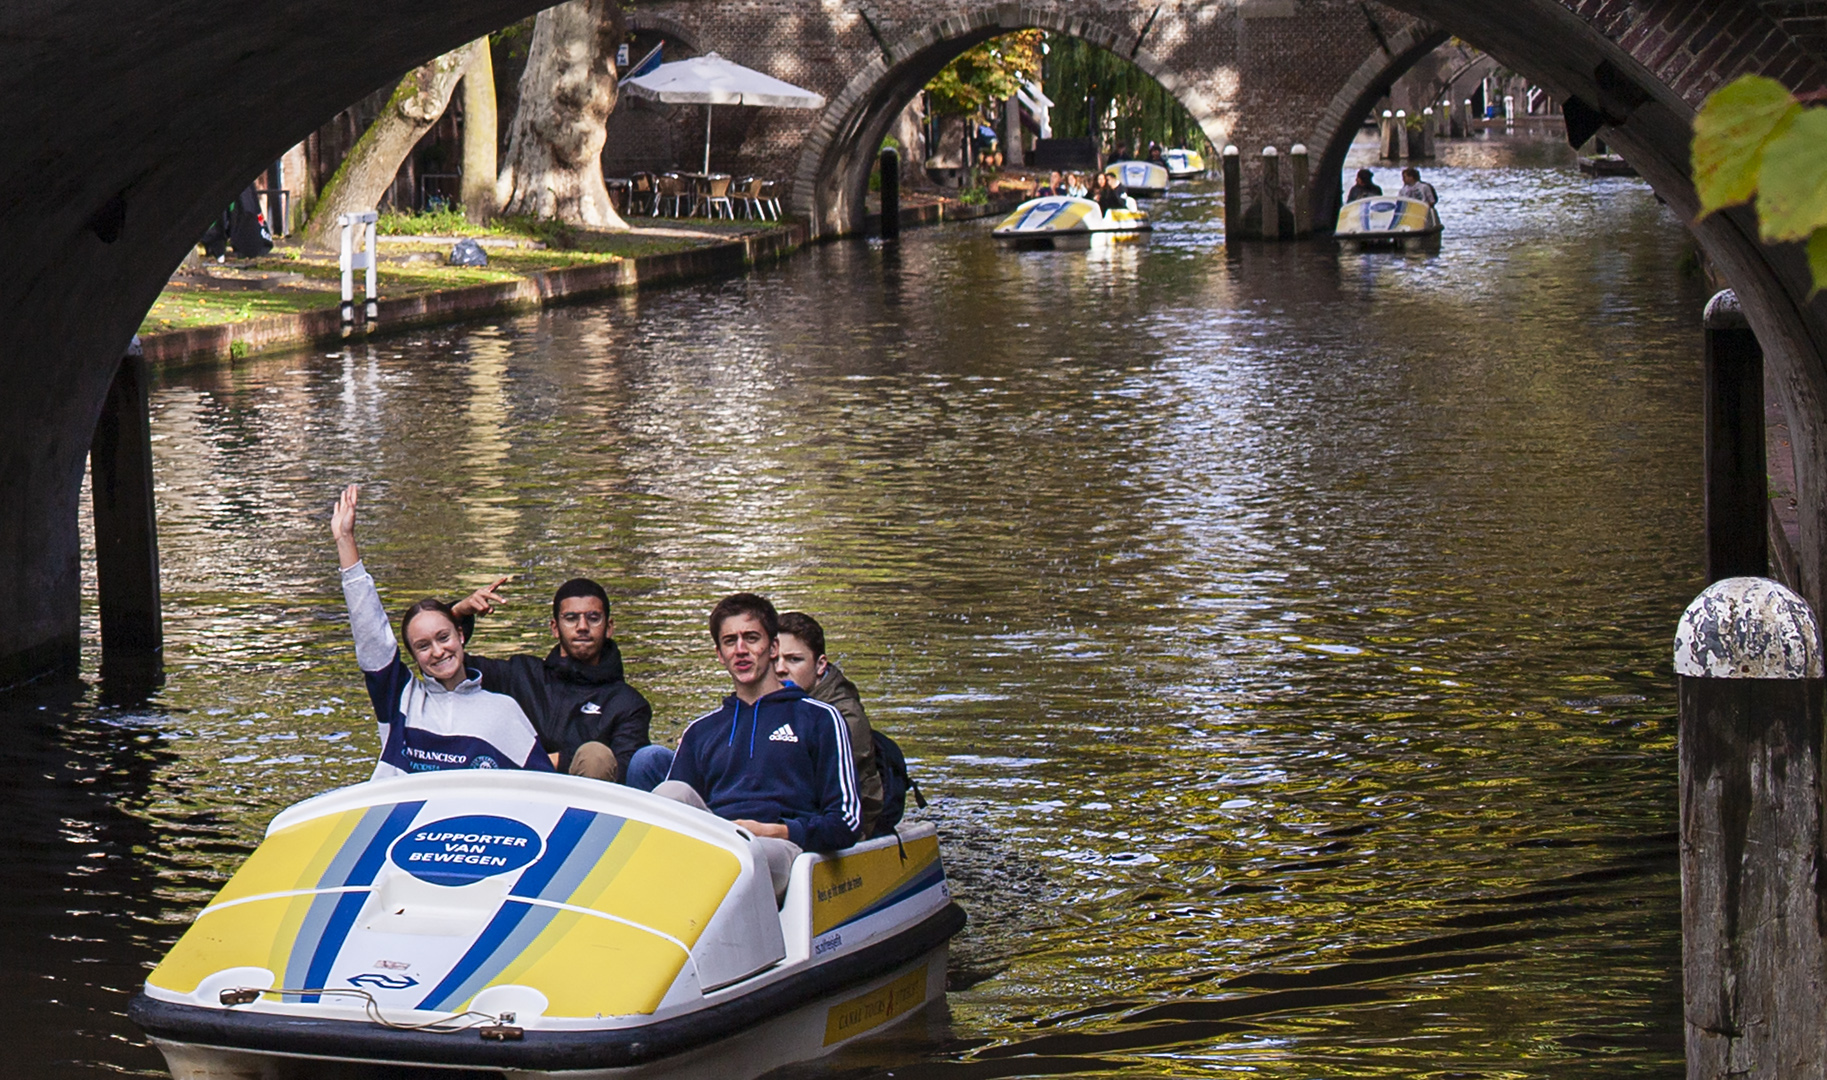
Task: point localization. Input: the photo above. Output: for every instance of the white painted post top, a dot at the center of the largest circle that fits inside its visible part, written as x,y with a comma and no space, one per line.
1298,148
1387,114
1230,151
1268,151
1401,112
1429,111
1748,628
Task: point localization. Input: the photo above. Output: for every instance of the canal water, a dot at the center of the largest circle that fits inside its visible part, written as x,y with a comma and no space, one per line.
1281,634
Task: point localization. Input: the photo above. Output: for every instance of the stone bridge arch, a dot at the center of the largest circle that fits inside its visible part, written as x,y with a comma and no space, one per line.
832,173
1338,125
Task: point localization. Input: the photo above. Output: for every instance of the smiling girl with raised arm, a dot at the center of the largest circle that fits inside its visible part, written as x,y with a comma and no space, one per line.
440,718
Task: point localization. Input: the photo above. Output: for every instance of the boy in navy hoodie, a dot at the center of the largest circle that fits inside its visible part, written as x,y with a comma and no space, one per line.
770,759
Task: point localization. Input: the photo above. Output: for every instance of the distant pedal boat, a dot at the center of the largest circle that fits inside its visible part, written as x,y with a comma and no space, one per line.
1386,218
1184,164
1061,217
530,924
1143,179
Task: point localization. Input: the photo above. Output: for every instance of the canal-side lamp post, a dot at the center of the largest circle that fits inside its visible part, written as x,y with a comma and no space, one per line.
1303,213
891,194
1271,194
1233,194
1754,965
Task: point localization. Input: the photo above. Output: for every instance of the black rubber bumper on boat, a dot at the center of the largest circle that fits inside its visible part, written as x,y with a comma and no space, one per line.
538,1050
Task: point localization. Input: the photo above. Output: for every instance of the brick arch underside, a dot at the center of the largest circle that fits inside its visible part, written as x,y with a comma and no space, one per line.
832,174
131,144
1647,94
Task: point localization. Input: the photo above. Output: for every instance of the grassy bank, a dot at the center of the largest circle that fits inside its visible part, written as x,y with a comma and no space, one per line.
412,249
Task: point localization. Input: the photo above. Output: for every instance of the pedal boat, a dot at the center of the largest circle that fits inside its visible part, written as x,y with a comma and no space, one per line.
1184,164
1143,179
1387,219
531,924
1063,220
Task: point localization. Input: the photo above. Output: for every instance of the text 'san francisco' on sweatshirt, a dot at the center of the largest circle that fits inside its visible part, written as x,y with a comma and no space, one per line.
423,726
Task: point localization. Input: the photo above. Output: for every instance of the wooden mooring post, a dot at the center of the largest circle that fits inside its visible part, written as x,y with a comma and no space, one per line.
1737,487
1754,962
890,227
1233,194
126,527
1271,193
1303,208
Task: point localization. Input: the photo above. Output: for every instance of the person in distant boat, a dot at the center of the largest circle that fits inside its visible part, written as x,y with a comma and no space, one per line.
1056,184
1364,188
770,759
1413,187
591,722
1155,153
802,662
1108,193
440,718
1075,186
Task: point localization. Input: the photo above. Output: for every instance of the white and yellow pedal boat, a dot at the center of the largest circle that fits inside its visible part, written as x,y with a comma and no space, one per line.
526,924
1059,220
1387,219
1183,164
1143,179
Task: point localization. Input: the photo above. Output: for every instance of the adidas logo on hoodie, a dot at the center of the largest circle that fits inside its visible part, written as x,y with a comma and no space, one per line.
783,733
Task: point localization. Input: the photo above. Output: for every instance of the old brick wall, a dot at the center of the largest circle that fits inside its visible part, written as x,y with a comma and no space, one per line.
1255,72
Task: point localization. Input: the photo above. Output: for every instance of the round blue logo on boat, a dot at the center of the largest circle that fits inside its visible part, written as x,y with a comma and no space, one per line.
459,850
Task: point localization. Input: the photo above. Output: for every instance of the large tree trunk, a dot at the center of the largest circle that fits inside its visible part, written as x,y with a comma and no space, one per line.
374,160
481,135
554,156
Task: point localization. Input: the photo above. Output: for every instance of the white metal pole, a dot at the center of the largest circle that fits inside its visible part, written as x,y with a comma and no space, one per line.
707,118
371,311
348,263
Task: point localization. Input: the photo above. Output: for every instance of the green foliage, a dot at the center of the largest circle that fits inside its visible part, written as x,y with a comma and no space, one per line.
1792,185
974,196
1094,90
1753,139
238,349
992,71
444,221
1730,133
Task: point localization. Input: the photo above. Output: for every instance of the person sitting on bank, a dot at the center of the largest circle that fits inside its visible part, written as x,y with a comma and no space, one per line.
802,662
1364,188
1413,187
591,722
769,759
440,718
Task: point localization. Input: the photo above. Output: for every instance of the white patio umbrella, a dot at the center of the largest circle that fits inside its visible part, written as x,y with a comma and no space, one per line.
710,80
